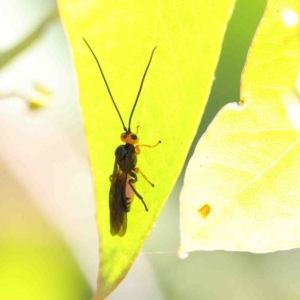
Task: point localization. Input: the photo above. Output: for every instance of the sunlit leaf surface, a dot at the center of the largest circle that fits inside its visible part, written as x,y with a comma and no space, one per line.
122,34
242,185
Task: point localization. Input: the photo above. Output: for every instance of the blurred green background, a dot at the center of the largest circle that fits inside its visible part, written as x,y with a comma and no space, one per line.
48,239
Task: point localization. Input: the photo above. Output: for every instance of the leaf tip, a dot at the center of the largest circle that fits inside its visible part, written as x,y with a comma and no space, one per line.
182,255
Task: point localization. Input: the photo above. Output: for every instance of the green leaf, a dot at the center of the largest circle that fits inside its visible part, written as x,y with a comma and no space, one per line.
122,34
241,188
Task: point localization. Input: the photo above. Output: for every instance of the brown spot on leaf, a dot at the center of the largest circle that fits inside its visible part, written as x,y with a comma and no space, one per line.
242,102
204,211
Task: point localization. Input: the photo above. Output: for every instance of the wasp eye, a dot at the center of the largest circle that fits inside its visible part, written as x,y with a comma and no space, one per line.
124,135
134,137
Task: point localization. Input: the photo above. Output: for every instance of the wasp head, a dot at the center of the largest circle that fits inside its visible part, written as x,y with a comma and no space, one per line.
129,138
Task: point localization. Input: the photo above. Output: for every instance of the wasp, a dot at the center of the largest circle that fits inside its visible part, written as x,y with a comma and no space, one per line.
124,176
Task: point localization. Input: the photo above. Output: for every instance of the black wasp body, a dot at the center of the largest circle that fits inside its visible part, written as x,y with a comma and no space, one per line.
124,176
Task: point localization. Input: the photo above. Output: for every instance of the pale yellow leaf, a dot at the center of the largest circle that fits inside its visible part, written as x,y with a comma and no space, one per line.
242,185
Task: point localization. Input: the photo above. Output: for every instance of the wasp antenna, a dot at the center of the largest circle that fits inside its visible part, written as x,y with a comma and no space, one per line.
140,89
112,99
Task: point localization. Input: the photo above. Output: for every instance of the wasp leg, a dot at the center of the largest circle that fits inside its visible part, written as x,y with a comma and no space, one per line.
137,170
138,150
131,182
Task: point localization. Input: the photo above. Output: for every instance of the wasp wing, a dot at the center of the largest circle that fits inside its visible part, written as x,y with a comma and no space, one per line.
117,202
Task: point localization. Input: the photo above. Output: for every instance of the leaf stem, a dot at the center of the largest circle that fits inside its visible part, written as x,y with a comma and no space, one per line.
7,56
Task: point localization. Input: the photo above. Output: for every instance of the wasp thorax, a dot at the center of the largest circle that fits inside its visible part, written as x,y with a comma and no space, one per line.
129,138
